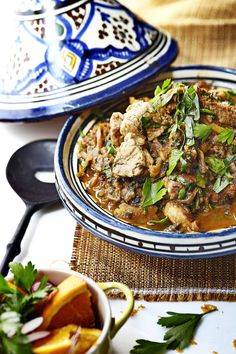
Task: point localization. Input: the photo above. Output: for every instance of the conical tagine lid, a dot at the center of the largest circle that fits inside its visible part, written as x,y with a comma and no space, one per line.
62,56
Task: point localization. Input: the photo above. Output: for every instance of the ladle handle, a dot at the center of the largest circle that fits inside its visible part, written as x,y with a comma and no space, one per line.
13,247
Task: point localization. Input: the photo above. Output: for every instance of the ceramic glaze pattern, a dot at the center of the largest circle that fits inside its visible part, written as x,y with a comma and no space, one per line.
58,49
33,6
83,42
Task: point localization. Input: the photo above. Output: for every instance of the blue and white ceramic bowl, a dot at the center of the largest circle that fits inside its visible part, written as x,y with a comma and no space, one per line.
87,213
62,56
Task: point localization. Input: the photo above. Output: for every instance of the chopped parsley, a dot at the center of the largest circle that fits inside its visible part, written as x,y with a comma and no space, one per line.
226,136
110,148
174,158
152,192
207,111
163,94
148,123
202,131
182,193
221,168
160,221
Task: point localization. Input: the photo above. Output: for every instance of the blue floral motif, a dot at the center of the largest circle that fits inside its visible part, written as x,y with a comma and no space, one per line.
76,54
69,59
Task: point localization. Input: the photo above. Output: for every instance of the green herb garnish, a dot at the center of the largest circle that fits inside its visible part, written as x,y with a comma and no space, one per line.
187,113
160,221
152,192
174,158
221,168
182,193
226,135
230,96
200,180
163,94
216,165
221,183
17,304
182,327
207,111
81,132
111,149
148,123
202,131
189,127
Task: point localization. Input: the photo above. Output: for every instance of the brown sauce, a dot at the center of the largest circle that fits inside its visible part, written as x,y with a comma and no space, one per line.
219,217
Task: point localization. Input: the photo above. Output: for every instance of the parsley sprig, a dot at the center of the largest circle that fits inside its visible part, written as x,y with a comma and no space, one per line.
174,158
163,94
152,192
202,131
221,169
226,136
16,304
181,329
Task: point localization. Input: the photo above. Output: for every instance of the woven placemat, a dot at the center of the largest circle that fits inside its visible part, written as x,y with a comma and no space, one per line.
154,278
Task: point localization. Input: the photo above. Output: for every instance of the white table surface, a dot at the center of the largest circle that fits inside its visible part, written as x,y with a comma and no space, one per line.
48,242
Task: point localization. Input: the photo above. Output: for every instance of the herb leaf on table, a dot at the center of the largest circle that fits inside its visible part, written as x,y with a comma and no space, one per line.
181,330
148,347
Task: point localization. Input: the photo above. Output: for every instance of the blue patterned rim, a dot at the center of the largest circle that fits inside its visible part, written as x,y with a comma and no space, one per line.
92,217
85,53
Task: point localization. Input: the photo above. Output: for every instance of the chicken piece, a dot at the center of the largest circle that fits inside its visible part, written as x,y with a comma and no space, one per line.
155,169
172,187
132,118
115,123
131,159
135,214
180,215
162,117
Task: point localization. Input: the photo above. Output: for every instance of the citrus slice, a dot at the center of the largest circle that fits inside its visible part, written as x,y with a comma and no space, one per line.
58,341
71,304
87,337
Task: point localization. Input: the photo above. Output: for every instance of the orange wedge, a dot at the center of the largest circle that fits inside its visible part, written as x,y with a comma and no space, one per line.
87,338
59,341
71,304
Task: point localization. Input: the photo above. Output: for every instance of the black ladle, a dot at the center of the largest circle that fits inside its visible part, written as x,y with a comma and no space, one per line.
32,158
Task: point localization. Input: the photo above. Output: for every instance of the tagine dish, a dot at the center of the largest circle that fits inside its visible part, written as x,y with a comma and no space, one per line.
154,170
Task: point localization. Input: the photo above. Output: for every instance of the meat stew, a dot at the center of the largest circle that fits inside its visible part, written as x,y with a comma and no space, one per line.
168,162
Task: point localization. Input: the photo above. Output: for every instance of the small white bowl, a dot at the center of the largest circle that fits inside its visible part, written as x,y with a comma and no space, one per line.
109,325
